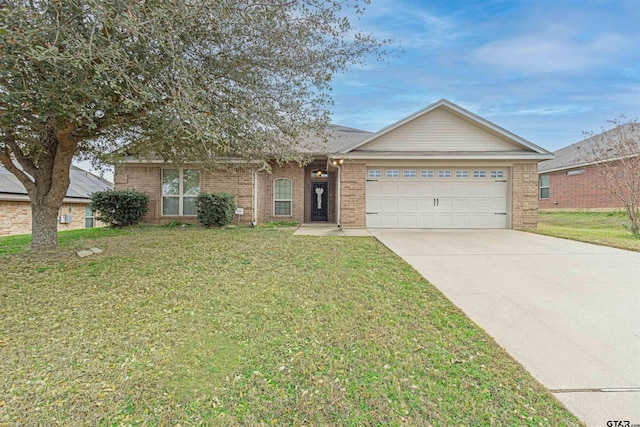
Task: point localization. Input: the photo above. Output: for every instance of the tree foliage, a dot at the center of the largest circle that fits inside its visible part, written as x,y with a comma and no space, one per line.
615,153
184,80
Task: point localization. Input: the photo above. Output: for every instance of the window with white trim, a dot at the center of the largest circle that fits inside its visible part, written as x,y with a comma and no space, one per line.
282,197
408,173
444,174
179,190
544,186
479,174
392,173
497,174
462,174
89,217
374,173
426,174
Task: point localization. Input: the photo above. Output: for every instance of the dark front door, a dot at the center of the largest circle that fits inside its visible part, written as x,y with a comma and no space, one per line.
319,199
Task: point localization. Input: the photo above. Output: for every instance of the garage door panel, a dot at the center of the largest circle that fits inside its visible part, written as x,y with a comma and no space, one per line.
443,190
373,221
389,205
373,205
436,203
425,204
407,205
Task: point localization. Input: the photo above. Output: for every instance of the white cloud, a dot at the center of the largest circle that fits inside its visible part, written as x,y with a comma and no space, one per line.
551,51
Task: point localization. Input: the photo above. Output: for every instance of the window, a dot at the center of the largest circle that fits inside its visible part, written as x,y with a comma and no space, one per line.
497,174
88,218
282,197
544,186
426,174
179,190
392,173
575,172
444,174
319,173
462,174
408,173
479,174
374,173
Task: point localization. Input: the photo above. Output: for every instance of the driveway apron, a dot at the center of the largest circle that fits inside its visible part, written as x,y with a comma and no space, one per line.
569,312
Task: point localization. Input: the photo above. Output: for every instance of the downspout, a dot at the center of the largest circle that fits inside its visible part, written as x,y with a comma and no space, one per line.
338,187
336,164
255,195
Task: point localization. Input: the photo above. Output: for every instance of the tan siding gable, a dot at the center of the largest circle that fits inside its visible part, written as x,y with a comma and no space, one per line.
440,130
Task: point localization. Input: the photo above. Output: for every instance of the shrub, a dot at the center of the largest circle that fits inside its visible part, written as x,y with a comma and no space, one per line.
215,209
119,207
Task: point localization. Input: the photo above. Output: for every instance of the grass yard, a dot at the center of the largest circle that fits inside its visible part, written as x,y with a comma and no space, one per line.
601,228
242,327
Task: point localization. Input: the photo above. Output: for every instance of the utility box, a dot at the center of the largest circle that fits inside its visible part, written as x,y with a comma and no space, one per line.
66,219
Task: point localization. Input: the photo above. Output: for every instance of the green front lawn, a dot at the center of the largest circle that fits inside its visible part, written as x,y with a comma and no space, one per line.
601,228
66,239
247,326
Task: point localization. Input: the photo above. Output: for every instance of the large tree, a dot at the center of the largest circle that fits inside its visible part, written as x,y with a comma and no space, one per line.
615,153
185,80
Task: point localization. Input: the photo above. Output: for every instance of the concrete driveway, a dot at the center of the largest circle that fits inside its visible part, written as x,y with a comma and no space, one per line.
568,311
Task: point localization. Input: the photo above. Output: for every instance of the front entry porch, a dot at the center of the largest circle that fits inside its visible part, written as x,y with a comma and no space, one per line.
319,193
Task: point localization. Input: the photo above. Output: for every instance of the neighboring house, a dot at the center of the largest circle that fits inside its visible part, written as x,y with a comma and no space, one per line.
442,167
571,180
15,207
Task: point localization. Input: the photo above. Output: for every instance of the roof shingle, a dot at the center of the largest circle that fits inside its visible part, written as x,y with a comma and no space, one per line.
82,185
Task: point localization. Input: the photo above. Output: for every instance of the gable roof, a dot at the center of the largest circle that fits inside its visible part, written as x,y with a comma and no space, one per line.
82,185
576,155
523,147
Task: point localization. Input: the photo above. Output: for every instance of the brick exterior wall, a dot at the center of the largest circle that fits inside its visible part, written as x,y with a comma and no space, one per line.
524,200
148,179
15,217
583,191
352,195
265,193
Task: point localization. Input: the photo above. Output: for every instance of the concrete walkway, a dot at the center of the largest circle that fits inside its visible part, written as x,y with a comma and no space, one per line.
324,229
568,311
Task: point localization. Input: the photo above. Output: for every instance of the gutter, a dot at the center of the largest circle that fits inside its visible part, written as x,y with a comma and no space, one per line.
466,156
586,164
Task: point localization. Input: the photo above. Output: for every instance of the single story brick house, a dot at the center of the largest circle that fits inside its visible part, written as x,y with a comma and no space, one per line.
15,207
572,182
442,167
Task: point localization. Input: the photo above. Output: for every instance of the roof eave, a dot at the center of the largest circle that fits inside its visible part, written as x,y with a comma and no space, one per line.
586,164
16,197
442,156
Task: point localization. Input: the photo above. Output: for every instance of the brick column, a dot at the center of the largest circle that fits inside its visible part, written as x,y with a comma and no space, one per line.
352,195
524,203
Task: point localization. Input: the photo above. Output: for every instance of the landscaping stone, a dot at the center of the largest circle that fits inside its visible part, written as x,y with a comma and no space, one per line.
84,253
96,250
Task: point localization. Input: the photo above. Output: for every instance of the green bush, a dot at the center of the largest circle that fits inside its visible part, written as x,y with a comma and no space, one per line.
119,207
215,209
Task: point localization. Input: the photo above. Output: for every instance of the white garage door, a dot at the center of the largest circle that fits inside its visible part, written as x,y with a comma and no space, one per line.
436,198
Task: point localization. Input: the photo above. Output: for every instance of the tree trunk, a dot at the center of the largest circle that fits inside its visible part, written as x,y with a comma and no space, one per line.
44,227
44,172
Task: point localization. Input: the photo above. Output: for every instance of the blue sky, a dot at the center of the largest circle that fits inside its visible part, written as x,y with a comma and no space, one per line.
544,70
